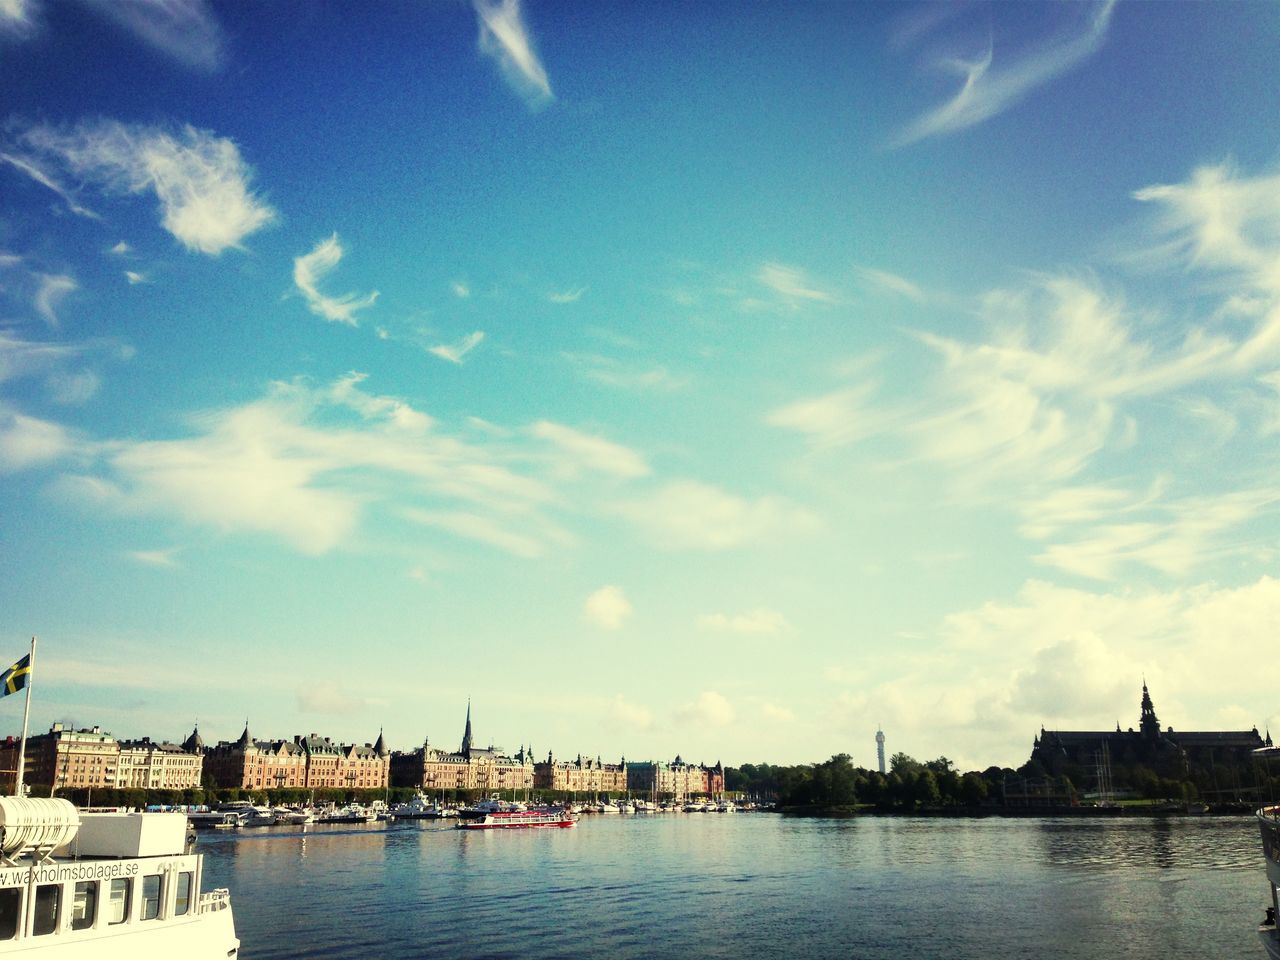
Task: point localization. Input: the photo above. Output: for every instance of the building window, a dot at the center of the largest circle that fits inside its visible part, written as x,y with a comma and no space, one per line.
85,905
46,918
182,902
151,897
10,900
118,900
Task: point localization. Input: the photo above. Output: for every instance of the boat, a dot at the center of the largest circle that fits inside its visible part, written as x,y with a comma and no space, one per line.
510,819
1269,824
352,813
420,807
76,885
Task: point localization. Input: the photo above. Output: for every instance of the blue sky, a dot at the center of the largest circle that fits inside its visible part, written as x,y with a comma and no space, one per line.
721,380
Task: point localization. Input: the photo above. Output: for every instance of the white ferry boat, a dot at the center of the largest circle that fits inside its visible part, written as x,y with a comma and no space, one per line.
1269,824
105,886
509,819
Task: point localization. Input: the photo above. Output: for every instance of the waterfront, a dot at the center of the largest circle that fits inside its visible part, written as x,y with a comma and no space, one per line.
749,886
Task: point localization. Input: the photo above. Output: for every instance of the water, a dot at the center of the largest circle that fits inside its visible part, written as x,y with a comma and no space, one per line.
749,886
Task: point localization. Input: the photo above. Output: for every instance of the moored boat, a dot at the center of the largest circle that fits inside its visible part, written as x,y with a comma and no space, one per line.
105,886
510,819
1269,824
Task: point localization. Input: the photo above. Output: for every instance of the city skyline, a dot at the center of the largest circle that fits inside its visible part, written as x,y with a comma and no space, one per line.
732,379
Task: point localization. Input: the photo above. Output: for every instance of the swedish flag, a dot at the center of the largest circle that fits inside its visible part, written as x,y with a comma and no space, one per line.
15,678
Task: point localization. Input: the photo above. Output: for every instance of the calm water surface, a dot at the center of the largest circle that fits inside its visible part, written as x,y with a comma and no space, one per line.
749,885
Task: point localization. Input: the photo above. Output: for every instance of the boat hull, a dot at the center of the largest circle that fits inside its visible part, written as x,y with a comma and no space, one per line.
207,936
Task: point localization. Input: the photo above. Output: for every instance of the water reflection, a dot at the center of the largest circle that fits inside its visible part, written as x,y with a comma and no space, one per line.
749,885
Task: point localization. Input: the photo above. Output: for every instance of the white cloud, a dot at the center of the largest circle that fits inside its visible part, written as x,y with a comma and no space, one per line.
311,268
567,296
74,388
630,715
505,39
121,249
200,179
50,294
607,608
711,709
777,714
39,176
482,529
1072,659
1221,219
791,283
891,283
989,86
687,515
584,451
155,558
834,419
184,30
625,376
135,278
460,289
454,353
17,18
760,620
27,442
329,698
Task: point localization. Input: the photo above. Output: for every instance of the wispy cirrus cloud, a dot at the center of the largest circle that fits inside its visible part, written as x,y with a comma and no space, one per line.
791,283
890,283
567,296
584,451
989,85
200,179
50,292
39,176
688,515
184,30
166,558
506,40
455,352
625,375
27,442
309,269
18,18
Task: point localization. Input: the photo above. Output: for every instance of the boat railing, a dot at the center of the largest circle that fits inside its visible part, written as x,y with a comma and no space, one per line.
211,901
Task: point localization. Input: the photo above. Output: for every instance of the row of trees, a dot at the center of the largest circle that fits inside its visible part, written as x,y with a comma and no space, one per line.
837,784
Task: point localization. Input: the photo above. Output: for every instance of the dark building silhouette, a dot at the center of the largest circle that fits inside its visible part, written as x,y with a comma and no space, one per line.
1196,755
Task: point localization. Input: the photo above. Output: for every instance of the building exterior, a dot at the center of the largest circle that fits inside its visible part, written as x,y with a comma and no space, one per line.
308,762
580,776
66,758
470,768
675,780
158,766
1165,751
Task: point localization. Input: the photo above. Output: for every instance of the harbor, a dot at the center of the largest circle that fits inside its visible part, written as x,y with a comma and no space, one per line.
760,886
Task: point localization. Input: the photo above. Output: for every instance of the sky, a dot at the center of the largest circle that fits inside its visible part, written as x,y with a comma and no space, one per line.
722,380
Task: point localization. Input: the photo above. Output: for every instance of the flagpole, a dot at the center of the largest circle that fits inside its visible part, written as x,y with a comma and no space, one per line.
26,716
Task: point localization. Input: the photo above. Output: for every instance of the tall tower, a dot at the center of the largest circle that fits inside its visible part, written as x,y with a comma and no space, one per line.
1149,725
880,747
466,734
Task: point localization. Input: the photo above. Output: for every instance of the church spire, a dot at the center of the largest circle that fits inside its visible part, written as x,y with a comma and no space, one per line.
1148,724
466,734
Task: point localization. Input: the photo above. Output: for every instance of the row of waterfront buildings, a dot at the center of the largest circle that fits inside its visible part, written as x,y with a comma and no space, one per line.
92,759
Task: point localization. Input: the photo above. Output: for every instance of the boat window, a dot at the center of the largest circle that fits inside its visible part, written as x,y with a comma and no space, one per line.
151,897
46,919
182,903
118,900
85,906
9,902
